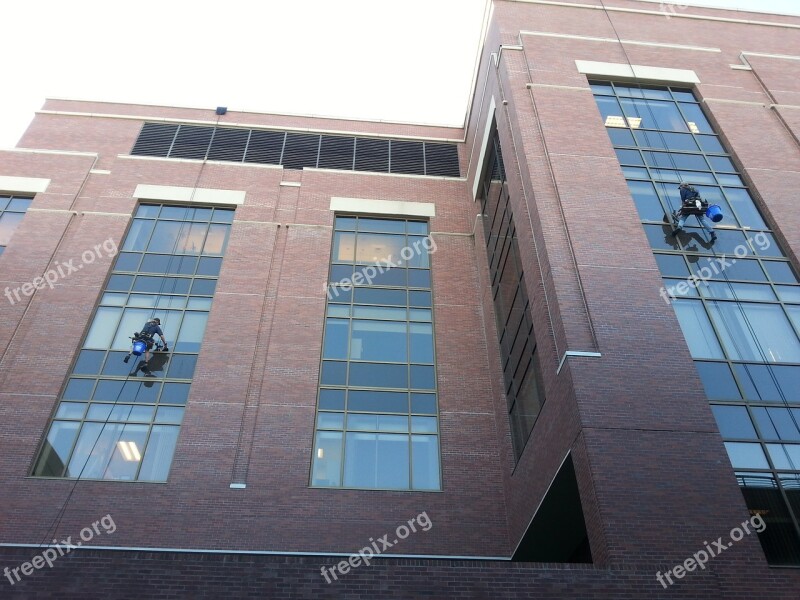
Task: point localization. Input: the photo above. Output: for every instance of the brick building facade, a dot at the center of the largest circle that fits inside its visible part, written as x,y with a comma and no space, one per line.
579,464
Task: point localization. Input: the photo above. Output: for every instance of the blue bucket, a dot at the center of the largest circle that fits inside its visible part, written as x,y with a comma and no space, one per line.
714,212
139,347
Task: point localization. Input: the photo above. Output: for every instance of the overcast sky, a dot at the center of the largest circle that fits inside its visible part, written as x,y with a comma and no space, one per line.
399,60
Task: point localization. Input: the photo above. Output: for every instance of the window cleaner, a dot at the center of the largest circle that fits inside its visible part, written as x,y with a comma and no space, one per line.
693,204
143,341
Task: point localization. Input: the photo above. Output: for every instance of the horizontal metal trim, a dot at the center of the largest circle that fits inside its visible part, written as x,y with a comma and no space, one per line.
44,151
616,41
194,161
259,552
347,172
767,55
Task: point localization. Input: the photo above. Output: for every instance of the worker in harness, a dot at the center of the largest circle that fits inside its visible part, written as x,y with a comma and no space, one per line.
692,204
146,337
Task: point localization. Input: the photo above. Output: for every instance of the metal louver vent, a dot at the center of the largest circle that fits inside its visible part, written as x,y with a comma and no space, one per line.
191,142
155,139
372,155
229,144
301,151
337,152
407,157
297,150
441,160
265,147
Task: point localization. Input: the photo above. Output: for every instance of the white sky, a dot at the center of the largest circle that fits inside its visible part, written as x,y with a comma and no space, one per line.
399,60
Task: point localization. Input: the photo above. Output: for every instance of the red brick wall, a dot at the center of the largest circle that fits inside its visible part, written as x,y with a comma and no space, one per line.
655,481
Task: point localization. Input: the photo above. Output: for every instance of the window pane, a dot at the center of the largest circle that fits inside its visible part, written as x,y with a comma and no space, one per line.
745,208
376,460
181,366
695,118
746,456
344,247
422,378
217,239
55,452
191,333
757,382
158,457
423,403
331,399
737,291
379,341
330,420
710,143
611,112
672,266
778,423
375,248
333,373
378,375
103,328
654,114
138,235
89,362
169,414
327,459
697,329
337,332
380,296
175,393
717,381
425,462
646,199
421,342
620,137
785,456
378,402
379,312
629,157
780,272
734,422
755,332
71,410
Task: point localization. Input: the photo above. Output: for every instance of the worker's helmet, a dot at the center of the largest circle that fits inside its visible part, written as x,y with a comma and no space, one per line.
157,321
684,184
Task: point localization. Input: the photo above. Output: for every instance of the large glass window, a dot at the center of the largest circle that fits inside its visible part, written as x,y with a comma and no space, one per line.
737,299
12,209
112,421
377,419
512,309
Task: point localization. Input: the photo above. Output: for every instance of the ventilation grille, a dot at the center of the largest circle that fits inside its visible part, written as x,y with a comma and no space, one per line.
297,150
